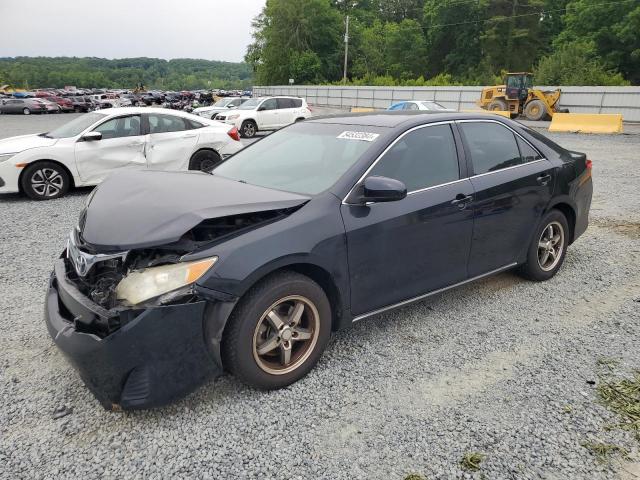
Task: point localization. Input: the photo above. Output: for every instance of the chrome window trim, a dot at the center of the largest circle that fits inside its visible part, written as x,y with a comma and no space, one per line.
389,147
448,122
433,292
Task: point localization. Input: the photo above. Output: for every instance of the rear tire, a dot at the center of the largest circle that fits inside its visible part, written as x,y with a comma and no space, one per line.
26,111
45,181
498,105
548,248
204,160
264,326
535,110
248,129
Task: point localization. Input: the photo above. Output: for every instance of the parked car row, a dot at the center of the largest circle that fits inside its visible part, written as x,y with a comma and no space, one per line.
85,100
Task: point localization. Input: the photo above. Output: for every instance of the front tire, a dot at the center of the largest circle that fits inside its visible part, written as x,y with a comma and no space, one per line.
45,181
26,111
205,161
548,248
277,332
248,129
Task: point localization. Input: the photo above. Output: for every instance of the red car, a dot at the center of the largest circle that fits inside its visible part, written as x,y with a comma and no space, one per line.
65,104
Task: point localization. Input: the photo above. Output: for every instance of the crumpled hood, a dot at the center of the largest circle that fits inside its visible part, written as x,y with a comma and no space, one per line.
143,209
24,142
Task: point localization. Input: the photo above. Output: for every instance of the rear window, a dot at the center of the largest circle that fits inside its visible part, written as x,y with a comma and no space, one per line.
547,141
285,103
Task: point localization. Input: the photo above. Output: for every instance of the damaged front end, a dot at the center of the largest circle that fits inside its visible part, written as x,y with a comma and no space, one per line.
135,323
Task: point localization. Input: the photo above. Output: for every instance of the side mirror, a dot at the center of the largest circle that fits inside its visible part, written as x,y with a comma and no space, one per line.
232,106
379,189
91,137
261,108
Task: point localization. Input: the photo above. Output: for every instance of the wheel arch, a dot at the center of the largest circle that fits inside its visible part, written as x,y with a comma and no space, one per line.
71,177
315,272
569,211
202,149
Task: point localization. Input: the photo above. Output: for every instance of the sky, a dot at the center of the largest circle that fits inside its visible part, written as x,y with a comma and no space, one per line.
209,29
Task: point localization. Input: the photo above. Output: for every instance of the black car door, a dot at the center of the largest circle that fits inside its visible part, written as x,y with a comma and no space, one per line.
403,249
513,184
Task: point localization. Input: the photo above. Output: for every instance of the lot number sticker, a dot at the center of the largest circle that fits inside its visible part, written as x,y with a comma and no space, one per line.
364,136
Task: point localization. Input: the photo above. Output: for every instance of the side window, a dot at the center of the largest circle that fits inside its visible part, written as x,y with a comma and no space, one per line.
423,158
270,104
410,106
119,127
285,103
165,123
492,146
528,153
192,124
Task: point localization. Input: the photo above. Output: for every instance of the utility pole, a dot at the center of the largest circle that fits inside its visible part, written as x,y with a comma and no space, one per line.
346,51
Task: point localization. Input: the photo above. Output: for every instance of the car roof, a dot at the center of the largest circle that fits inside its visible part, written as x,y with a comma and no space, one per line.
404,118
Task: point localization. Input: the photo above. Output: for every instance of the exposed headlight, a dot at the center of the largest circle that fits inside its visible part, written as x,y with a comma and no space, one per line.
233,117
142,285
6,156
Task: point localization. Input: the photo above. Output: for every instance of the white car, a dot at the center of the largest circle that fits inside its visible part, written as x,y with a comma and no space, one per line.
269,113
222,105
86,150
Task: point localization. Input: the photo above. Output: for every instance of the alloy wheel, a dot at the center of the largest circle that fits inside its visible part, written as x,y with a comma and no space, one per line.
286,335
249,129
47,182
550,246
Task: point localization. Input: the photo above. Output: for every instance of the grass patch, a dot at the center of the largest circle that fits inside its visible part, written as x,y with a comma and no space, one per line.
623,398
471,461
603,450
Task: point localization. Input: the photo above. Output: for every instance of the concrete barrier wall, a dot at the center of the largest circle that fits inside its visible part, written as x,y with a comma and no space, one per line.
624,100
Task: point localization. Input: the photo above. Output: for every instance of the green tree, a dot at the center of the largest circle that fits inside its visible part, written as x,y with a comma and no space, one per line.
290,34
612,28
575,64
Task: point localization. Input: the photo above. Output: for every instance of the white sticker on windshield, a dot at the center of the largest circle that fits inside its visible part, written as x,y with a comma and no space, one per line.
365,136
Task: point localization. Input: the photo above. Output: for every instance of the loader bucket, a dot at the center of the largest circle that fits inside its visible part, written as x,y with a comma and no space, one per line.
586,123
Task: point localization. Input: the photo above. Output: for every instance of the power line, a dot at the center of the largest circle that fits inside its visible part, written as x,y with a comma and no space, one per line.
508,17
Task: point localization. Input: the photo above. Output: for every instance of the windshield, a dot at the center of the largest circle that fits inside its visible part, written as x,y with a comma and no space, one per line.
223,103
305,158
433,106
250,104
74,127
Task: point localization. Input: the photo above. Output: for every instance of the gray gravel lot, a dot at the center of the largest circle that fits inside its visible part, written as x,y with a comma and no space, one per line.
500,367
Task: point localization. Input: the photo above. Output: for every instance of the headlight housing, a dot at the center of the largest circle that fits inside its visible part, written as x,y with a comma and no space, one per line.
142,285
233,117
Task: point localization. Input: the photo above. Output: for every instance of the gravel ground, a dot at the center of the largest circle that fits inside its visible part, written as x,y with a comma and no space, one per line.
503,367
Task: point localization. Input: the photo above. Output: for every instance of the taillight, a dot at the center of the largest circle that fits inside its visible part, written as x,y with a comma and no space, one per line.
309,108
233,133
587,163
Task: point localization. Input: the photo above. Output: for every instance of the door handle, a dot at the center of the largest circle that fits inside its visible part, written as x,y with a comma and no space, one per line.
136,144
461,200
544,179
189,135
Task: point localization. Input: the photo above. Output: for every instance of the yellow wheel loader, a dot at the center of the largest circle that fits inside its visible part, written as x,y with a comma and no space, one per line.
518,97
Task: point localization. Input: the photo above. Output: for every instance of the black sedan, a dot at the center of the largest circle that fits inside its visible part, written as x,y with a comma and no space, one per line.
172,278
